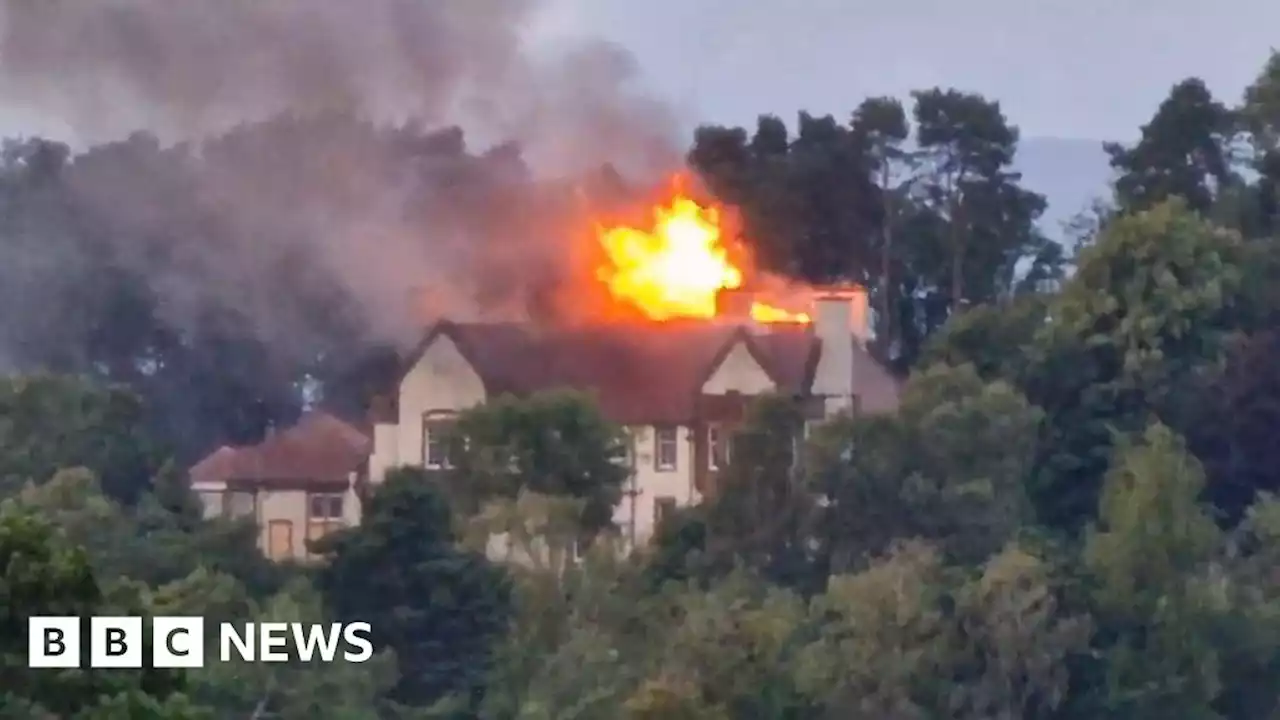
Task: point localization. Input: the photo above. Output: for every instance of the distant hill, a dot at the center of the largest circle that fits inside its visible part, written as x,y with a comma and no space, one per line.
1070,172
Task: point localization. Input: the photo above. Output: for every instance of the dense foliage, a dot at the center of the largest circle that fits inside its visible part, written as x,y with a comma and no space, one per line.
1073,514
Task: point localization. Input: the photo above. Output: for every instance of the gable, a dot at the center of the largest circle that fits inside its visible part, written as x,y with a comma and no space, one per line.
738,371
441,378
643,373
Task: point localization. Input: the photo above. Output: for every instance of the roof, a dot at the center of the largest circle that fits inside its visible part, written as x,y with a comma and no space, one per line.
645,373
876,386
319,449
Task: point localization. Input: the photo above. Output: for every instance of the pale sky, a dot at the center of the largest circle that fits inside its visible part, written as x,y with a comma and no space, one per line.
1065,68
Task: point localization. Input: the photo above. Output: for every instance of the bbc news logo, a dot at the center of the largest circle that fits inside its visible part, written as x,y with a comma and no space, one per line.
179,642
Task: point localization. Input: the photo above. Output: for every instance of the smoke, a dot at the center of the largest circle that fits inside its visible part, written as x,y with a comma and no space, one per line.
186,69
309,168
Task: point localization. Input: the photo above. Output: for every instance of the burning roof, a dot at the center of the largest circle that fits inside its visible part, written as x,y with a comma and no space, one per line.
680,264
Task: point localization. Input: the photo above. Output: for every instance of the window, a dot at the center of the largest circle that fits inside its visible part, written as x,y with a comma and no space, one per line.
664,449
214,503
326,506
664,507
241,503
719,446
324,514
436,444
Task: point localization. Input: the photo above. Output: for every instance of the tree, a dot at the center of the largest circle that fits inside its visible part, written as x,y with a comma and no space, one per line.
439,607
809,207
296,690
670,698
950,467
967,148
1150,310
994,338
552,443
1250,641
578,626
51,422
146,542
761,512
1261,110
1233,410
1150,555
883,642
1184,152
1014,661
45,575
731,647
880,126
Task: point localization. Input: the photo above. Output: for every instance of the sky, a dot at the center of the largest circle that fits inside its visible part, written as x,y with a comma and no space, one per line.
1090,69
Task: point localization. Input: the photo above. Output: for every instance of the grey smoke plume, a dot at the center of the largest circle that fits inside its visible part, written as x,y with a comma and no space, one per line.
192,70
179,69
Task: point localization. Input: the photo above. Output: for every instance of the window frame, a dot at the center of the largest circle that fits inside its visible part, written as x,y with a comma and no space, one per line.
229,505
661,433
436,421
329,501
213,502
719,447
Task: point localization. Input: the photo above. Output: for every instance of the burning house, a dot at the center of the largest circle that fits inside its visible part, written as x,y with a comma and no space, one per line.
678,381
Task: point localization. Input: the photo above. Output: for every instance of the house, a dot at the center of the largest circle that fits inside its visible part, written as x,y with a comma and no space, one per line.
298,484
677,388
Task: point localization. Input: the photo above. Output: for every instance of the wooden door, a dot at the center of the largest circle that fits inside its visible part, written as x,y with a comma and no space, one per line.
280,539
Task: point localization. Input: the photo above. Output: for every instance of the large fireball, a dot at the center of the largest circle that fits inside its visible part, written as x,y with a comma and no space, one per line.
678,266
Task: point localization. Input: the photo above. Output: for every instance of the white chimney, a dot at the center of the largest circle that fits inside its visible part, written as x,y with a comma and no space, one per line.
839,320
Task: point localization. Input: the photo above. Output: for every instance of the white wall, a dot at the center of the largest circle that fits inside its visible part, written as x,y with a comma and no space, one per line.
738,373
442,380
386,453
833,377
292,506
653,483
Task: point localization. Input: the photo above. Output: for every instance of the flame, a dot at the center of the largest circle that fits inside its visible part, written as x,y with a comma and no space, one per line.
676,268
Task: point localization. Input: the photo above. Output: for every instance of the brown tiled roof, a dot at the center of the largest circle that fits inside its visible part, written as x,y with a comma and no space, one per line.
319,448
643,373
217,466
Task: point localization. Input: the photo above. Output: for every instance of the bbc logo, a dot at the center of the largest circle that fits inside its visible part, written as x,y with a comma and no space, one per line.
178,642
115,642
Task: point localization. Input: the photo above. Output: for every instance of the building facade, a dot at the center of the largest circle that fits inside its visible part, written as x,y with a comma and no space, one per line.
298,484
678,389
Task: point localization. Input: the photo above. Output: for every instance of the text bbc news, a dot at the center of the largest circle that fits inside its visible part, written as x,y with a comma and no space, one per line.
179,642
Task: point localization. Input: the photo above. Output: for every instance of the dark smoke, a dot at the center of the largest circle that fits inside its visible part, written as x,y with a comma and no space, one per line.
306,165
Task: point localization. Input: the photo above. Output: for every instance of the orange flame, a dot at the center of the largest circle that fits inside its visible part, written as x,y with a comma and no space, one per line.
677,268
